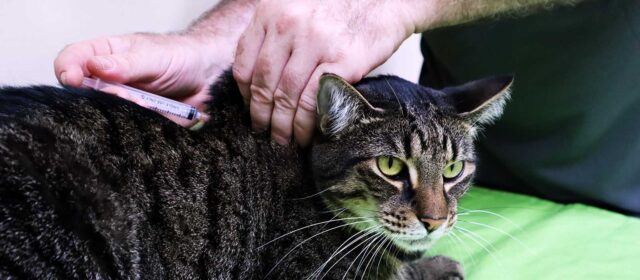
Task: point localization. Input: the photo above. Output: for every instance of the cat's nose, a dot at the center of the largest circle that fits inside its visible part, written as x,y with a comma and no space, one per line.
432,224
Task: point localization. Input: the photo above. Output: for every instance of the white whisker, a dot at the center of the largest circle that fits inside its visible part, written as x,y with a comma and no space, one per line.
342,247
386,248
347,243
470,211
351,250
357,256
373,257
306,240
335,210
368,250
312,225
500,231
310,196
464,247
471,236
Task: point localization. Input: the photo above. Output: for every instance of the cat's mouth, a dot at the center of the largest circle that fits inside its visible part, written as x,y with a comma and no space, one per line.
413,237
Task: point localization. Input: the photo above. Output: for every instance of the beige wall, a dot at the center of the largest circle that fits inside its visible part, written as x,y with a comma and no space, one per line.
33,31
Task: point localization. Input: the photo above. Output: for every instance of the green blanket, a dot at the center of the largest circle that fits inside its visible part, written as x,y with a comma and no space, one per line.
502,235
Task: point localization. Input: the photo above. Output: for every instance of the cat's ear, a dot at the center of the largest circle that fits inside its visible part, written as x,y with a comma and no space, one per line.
339,105
480,101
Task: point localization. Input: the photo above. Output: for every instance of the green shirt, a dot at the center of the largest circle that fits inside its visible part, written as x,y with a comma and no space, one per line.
571,131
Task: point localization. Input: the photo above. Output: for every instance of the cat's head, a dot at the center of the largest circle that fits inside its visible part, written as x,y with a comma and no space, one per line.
395,157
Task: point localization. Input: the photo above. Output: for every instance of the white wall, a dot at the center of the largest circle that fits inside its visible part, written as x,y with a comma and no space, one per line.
33,31
406,62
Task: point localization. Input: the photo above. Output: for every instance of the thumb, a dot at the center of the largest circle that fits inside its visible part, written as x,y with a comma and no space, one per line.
124,68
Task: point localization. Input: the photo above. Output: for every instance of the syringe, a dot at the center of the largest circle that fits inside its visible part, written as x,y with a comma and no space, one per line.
155,102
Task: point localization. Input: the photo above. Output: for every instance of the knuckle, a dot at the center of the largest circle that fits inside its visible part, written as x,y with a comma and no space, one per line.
263,63
323,69
58,64
319,31
283,101
335,54
67,48
287,20
240,49
307,102
67,51
302,127
240,74
291,82
298,126
260,94
261,71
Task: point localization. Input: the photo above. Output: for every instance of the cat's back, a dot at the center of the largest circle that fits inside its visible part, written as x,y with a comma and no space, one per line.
77,174
92,186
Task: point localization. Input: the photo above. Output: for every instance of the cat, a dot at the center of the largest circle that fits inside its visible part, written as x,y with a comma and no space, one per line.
96,187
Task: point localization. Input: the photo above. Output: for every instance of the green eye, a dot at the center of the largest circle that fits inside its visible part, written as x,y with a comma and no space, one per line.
390,166
453,169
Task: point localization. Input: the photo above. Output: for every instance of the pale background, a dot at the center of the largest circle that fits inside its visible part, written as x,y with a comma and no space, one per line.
33,31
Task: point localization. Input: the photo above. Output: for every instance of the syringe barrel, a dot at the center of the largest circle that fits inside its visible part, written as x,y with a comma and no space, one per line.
154,102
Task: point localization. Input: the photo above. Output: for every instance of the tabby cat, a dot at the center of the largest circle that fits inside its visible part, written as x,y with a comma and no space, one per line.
96,187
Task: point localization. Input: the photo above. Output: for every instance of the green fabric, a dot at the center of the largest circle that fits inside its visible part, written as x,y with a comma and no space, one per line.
538,239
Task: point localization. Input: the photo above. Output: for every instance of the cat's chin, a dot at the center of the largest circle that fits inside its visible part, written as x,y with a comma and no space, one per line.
414,245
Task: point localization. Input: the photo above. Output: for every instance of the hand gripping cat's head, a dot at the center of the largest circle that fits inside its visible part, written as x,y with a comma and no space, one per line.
394,157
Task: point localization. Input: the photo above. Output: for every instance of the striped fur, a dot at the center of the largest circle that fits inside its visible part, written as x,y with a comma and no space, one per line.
95,187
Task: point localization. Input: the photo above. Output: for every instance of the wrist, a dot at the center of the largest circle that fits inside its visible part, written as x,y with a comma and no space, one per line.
217,32
211,55
212,47
424,15
226,20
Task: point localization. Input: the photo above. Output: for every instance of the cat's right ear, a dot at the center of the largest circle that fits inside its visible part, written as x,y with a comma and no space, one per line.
480,101
339,105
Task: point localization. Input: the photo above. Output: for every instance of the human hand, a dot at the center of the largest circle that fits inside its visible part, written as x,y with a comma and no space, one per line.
175,66
289,45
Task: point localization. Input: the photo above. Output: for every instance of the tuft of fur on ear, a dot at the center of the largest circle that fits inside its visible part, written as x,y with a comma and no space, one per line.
480,101
339,105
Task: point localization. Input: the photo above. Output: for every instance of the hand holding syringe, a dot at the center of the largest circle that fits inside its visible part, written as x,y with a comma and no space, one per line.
168,107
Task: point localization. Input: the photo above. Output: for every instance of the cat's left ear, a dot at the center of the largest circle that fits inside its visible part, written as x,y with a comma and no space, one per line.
480,101
339,105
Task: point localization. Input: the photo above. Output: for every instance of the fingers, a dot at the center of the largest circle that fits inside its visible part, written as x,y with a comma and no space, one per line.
106,58
176,66
293,81
266,75
71,63
277,58
246,54
125,68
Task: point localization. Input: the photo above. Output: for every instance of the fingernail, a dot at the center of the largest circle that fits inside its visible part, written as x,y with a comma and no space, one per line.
104,63
63,78
280,140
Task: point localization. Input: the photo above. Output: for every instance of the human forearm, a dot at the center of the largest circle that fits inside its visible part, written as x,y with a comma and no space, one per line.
228,18
438,13
215,34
